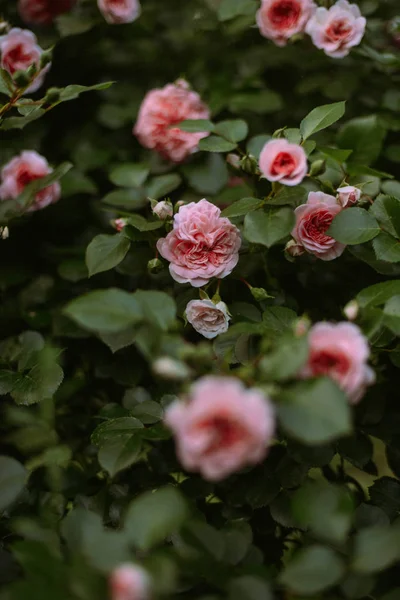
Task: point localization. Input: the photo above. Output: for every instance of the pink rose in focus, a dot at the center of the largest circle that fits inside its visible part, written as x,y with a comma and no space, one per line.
161,111
279,20
337,30
22,170
129,582
43,12
117,12
19,50
340,351
163,210
313,219
222,428
202,244
284,162
348,195
207,318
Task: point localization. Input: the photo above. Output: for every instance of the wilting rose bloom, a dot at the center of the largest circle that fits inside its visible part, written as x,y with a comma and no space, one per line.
348,195
279,20
221,427
207,318
313,219
22,170
284,162
129,582
19,50
337,30
202,244
161,111
43,12
163,210
340,351
117,12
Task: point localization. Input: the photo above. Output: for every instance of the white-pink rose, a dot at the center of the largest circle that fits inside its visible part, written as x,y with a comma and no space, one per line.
279,20
207,318
19,50
337,29
22,170
161,111
222,427
117,12
313,219
43,12
202,244
163,210
284,162
348,195
129,582
340,351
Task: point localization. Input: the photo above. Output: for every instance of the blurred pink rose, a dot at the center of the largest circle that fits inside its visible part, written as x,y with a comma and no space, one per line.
19,50
129,582
284,162
337,30
23,169
340,351
279,20
117,12
160,112
202,244
207,318
312,221
119,224
222,427
348,195
43,12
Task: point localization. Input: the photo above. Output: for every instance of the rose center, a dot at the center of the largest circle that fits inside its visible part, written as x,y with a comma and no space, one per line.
284,164
25,177
225,433
338,30
324,362
17,58
284,13
318,225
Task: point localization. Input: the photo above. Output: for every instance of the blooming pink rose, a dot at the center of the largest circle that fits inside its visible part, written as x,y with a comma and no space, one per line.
163,210
129,582
278,20
24,169
207,318
312,221
19,50
160,112
284,162
202,244
222,427
340,351
337,30
43,12
348,195
117,12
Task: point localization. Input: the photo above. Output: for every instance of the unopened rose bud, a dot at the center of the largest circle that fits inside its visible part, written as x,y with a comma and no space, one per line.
4,233
119,224
351,310
169,368
301,326
163,210
52,95
21,78
32,70
129,582
317,168
259,294
4,26
348,195
46,58
294,249
249,164
179,204
154,266
233,160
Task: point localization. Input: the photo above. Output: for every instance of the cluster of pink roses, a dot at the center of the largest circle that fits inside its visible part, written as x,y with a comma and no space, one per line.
43,12
335,30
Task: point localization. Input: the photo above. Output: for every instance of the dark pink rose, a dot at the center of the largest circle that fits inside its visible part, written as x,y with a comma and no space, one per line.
43,12
284,162
19,50
279,20
117,12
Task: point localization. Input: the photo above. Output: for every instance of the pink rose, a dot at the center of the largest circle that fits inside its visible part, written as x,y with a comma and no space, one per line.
337,30
222,427
43,12
284,162
202,244
163,210
348,195
279,20
23,169
129,582
119,224
207,318
117,12
19,50
312,221
159,114
340,351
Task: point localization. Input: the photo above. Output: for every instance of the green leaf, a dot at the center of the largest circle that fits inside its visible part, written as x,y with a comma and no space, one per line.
387,248
385,493
392,188
321,118
256,144
158,308
361,170
336,154
140,223
353,226
260,102
375,549
106,252
209,176
162,185
315,412
233,131
288,195
196,125
71,92
153,516
214,143
386,210
392,314
6,83
119,454
12,481
21,122
42,379
268,227
312,570
132,199
286,360
365,136
230,9
378,294
249,587
129,174
241,207
114,429
148,412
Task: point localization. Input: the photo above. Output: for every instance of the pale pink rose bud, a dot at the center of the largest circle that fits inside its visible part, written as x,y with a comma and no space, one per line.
119,224
43,12
233,160
348,195
169,368
207,318
279,20
161,110
301,326
221,427
340,351
313,219
294,249
163,210
337,29
22,170
19,50
117,12
179,204
351,310
201,245
4,233
129,582
284,162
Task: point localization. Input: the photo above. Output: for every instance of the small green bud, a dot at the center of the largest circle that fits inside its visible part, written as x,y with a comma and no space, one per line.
154,266
21,78
52,96
46,58
32,70
317,168
260,294
249,164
